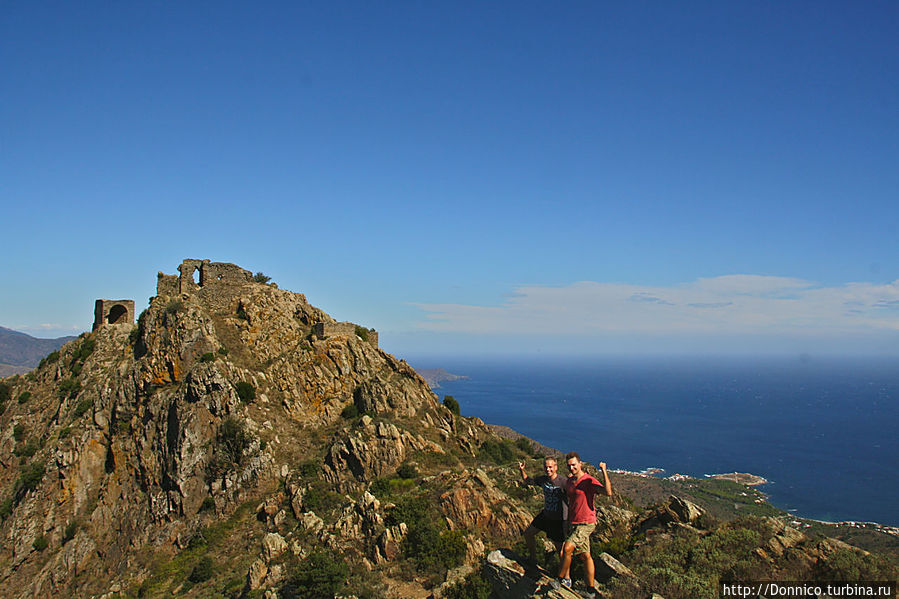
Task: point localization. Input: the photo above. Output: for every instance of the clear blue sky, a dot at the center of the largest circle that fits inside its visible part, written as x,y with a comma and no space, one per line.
502,176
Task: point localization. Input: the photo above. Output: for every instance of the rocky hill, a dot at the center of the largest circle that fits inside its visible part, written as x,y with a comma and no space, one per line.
237,441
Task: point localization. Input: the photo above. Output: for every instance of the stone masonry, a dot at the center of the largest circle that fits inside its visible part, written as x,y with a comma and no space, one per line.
343,329
210,274
108,311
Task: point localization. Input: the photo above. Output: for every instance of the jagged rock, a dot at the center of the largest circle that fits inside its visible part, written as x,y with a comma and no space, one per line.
310,522
474,502
686,511
273,545
677,510
256,574
510,580
607,568
614,522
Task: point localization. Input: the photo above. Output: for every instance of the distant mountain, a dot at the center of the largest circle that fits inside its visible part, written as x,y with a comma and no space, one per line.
20,352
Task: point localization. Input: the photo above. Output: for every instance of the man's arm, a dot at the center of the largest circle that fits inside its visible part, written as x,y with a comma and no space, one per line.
606,483
524,475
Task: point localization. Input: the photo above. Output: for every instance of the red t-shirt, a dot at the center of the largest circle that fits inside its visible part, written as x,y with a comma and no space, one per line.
580,499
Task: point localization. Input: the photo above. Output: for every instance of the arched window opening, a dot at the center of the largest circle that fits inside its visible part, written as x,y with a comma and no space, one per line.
117,314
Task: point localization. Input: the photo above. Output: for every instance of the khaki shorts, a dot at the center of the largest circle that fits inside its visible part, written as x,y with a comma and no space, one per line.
579,536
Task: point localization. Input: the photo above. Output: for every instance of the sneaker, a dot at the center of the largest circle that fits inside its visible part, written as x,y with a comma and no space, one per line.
557,583
589,594
566,582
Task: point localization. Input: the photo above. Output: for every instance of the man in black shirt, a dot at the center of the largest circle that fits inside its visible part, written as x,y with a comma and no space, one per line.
551,519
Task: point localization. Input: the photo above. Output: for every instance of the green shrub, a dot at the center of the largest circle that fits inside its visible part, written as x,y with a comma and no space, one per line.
231,442
389,487
407,470
499,452
428,543
363,333
24,396
309,469
208,504
246,392
524,445
64,432
261,278
320,498
451,404
27,450
69,532
18,432
207,357
84,350
849,564
40,543
223,351
49,359
82,407
68,388
174,306
350,412
5,392
473,586
320,576
202,571
31,477
6,507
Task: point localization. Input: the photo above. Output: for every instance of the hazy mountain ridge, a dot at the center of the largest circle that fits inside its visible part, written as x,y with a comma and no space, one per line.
21,350
221,447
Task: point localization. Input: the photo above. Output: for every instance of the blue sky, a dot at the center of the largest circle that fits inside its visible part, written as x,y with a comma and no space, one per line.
466,177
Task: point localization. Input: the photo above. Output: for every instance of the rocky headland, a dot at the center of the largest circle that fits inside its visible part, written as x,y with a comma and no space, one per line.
237,441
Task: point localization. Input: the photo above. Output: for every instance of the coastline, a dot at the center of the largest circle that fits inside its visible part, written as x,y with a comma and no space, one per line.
742,478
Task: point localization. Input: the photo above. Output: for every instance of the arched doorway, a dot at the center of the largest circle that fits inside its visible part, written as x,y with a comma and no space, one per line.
117,314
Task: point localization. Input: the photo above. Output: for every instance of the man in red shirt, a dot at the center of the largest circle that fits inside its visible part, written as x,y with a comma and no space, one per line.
581,488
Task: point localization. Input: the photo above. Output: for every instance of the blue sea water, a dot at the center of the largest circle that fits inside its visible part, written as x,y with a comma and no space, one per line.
823,431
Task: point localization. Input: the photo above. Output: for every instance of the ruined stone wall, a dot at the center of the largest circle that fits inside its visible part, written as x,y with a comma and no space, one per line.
167,284
342,329
108,311
196,275
223,273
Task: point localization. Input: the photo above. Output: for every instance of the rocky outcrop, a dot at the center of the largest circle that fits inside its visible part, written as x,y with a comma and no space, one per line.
510,579
137,434
676,511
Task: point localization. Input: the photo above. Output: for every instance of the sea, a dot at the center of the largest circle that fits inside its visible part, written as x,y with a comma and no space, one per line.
823,431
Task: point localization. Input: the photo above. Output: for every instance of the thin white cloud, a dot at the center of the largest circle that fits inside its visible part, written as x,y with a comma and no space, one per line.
727,305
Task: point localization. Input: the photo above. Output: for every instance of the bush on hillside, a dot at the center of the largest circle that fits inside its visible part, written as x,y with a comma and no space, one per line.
320,576
499,452
68,388
451,404
246,392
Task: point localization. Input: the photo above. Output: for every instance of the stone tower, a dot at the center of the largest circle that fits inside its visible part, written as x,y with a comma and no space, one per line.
113,312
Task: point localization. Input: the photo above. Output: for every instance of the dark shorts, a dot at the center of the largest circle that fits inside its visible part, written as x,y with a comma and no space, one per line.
554,529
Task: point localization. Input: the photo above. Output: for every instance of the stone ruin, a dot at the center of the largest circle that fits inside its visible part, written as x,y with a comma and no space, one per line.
201,274
344,329
220,283
108,311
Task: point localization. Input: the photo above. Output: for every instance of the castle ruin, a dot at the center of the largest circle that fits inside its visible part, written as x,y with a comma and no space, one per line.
108,311
197,274
220,283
